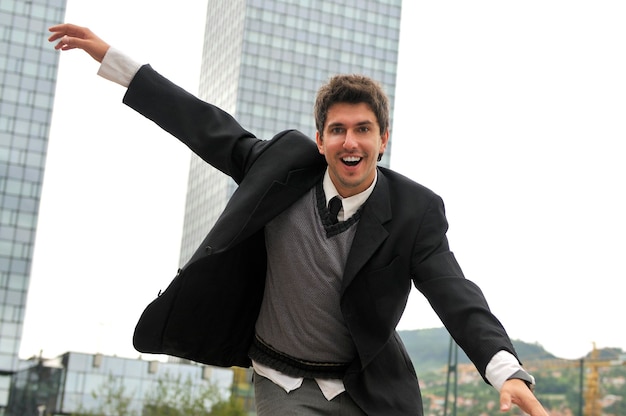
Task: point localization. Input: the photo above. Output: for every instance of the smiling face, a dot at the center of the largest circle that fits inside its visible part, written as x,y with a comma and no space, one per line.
351,142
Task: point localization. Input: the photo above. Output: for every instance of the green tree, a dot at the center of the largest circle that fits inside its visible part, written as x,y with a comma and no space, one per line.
170,396
112,398
227,408
174,397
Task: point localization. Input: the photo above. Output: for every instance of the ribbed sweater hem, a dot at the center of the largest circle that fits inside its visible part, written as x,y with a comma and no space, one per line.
266,355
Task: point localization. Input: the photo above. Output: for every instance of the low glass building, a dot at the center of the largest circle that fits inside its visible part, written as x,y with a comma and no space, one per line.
77,383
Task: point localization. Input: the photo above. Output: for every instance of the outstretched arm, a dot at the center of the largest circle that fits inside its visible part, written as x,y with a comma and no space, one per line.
208,131
70,36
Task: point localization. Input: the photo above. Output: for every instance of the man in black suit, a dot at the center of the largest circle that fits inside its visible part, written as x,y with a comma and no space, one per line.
310,293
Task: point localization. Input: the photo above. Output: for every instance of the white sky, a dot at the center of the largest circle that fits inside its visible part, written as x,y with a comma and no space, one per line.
514,112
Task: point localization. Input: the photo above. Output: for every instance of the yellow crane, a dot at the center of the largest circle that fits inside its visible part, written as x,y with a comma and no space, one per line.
592,392
591,387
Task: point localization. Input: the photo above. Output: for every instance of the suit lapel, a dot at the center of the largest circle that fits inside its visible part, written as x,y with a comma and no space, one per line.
371,232
281,195
251,207
283,169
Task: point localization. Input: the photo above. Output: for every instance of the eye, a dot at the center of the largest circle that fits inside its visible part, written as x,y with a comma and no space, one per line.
337,130
363,129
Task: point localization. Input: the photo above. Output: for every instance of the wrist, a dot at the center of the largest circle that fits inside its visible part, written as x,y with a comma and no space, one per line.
525,377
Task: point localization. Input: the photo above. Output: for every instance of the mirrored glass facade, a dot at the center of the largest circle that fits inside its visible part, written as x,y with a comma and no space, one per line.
263,62
28,68
77,383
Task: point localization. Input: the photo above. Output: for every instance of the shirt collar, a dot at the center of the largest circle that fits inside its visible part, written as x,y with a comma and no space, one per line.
351,204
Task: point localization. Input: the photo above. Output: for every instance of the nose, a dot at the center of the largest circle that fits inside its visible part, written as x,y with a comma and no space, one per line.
350,141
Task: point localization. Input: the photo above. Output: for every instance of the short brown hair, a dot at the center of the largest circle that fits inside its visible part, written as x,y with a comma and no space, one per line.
353,89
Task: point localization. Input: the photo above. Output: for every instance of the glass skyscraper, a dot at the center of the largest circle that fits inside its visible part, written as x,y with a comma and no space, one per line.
263,62
28,68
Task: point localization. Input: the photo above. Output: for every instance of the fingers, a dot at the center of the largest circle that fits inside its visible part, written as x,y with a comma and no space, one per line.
516,393
64,32
505,402
530,407
71,36
57,32
65,44
68,29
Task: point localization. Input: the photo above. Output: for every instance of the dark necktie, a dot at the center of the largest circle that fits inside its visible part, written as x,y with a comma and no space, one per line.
334,206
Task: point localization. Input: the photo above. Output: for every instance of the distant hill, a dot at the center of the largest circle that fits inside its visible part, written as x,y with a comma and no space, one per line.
558,381
429,349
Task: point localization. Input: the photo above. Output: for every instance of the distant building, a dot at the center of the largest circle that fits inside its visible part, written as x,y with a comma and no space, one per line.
67,384
263,62
28,70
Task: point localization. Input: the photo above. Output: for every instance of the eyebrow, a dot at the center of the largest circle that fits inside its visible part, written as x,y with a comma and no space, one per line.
360,123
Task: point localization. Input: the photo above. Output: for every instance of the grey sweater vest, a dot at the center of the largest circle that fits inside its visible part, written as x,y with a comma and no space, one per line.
300,329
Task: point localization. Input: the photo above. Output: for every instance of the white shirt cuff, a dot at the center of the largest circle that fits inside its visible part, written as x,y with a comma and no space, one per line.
502,366
118,67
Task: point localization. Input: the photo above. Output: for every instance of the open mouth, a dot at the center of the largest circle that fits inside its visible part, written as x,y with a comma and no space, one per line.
351,160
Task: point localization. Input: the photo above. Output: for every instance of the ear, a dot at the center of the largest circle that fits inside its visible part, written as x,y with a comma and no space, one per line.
320,142
384,139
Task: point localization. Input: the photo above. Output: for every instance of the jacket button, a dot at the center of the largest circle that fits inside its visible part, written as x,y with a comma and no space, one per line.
208,249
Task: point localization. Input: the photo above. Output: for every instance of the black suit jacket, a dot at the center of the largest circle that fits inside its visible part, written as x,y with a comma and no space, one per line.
208,312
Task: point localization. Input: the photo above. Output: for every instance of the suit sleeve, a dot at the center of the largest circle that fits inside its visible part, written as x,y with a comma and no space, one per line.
208,131
459,303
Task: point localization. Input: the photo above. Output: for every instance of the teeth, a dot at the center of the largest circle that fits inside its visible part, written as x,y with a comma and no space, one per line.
351,159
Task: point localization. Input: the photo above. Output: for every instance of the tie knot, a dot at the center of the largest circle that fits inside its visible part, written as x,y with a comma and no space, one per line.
334,206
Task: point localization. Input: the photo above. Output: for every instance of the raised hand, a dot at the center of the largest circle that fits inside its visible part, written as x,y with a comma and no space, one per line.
70,36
